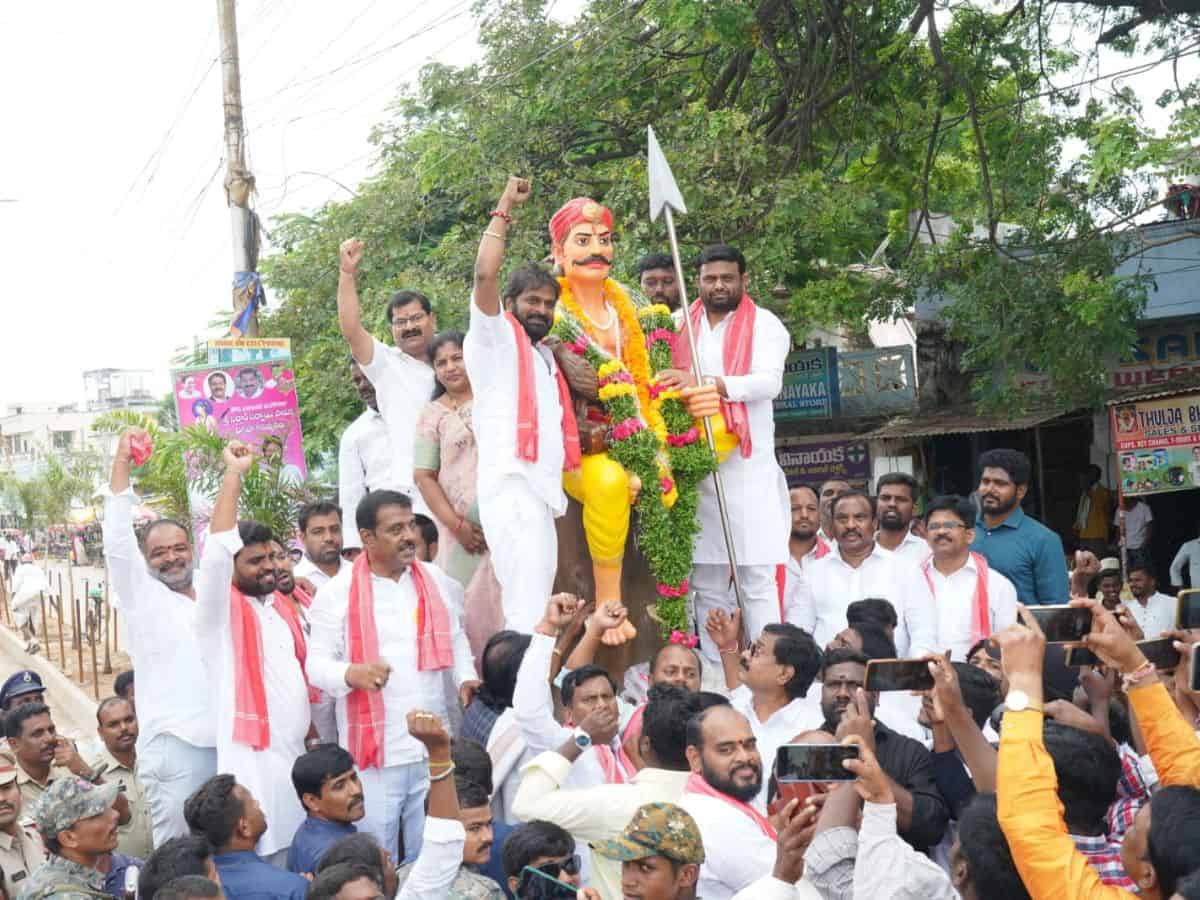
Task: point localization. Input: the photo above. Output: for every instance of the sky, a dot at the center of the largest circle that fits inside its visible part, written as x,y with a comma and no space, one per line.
112,212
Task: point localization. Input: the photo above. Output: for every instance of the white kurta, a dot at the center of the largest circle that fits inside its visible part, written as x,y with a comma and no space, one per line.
407,688
27,582
913,547
306,568
755,487
953,600
800,715
266,774
736,852
1157,616
365,463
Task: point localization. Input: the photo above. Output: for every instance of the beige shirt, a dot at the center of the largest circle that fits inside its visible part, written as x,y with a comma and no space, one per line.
134,838
31,789
20,855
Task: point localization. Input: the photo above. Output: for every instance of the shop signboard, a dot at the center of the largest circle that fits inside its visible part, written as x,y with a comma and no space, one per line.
1158,444
876,381
805,461
810,385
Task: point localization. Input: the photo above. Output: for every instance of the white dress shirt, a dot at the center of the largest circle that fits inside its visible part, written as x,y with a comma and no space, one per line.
306,568
267,773
887,868
592,814
1137,523
736,852
953,599
172,669
801,714
1187,555
1157,616
755,487
913,547
490,354
437,865
795,585
365,463
403,385
396,625
834,584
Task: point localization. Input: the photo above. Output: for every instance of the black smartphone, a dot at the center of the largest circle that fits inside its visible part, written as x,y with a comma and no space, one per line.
537,885
1195,679
1187,609
1161,652
1080,656
898,675
813,762
1063,624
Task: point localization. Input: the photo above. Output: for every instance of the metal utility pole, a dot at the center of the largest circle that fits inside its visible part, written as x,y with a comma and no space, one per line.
239,182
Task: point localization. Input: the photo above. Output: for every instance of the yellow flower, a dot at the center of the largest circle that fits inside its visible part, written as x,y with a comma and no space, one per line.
609,368
658,309
616,389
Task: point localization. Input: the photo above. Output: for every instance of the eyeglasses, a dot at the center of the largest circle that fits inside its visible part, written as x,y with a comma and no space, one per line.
944,526
570,865
411,320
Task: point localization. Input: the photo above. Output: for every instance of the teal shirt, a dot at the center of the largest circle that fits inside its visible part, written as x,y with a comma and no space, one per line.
1028,554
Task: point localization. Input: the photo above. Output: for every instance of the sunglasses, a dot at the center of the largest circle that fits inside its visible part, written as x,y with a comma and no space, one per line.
570,865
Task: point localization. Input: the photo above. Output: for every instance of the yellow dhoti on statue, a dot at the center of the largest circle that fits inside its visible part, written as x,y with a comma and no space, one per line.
601,485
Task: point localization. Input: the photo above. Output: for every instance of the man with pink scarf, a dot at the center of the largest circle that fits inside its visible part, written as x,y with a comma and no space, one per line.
744,347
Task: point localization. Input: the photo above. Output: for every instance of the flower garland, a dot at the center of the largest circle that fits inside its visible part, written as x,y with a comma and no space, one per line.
653,436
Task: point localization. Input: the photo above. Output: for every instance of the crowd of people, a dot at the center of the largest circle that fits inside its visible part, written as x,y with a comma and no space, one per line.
409,711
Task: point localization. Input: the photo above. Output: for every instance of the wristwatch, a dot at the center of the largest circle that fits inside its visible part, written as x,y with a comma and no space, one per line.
1017,700
583,740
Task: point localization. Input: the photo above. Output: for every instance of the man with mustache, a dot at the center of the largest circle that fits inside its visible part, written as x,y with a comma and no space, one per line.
21,849
1017,546
475,814
656,277
365,457
78,824
384,635
153,588
258,650
117,726
743,347
720,794
971,600
321,533
860,568
401,375
805,545
896,498
830,491
328,787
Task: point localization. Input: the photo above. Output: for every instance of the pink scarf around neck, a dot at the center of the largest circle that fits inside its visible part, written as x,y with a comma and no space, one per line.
527,414
981,619
365,713
736,351
697,785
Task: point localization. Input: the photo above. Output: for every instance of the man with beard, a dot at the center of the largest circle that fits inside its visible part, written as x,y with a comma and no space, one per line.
475,814
656,277
743,346
365,457
1017,546
21,849
402,376
804,545
257,645
153,589
921,812
118,729
860,568
328,786
384,636
727,776
970,599
896,498
249,383
522,421
830,491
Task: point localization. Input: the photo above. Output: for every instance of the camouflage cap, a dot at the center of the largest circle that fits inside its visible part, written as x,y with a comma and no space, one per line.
68,800
656,829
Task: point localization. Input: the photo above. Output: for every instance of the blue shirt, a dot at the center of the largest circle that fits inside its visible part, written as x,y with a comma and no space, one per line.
245,876
312,839
495,864
1028,554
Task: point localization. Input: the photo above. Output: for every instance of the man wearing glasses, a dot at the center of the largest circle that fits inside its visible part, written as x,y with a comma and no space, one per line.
972,601
401,375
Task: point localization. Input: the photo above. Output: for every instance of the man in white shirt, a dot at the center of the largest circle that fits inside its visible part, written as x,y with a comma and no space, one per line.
520,487
365,459
254,644
321,534
28,583
805,544
755,487
402,376
600,813
153,589
1137,528
1154,612
391,599
896,498
971,601
1188,555
859,569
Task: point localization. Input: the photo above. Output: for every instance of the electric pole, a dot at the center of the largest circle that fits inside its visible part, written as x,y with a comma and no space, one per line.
239,182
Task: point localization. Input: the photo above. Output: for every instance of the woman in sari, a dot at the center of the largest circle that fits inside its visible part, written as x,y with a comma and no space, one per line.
445,463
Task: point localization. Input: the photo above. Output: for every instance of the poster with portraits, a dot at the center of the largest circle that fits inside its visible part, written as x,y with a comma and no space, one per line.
1157,444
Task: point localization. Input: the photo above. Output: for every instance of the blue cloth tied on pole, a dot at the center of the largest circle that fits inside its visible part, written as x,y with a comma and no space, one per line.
250,284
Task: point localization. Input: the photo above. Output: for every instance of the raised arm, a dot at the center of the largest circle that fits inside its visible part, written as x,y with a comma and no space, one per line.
349,313
125,562
222,543
491,248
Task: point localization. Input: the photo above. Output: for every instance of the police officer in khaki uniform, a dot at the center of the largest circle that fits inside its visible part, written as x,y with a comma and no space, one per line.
21,849
118,730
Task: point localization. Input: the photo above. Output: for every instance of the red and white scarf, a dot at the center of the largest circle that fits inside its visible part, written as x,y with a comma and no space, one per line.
736,351
981,618
618,768
697,785
365,716
251,723
527,414
820,548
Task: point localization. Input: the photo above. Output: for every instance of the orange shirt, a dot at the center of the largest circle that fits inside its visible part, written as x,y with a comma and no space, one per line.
1031,815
